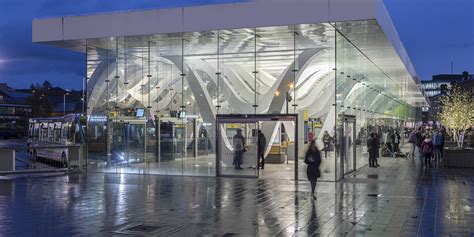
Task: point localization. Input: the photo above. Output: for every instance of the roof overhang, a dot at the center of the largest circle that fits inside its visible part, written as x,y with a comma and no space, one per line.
247,14
71,32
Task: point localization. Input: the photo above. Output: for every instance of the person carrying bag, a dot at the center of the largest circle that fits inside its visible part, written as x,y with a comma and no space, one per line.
313,160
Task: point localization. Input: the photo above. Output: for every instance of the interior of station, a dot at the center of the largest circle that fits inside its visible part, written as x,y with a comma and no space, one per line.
154,100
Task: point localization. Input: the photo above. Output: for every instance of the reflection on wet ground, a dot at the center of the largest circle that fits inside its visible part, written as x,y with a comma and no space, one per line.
397,199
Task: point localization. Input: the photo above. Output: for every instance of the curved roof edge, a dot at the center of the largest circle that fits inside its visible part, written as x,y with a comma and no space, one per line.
249,14
71,32
385,22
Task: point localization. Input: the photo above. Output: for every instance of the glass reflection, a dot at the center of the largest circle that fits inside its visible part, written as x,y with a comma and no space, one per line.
153,100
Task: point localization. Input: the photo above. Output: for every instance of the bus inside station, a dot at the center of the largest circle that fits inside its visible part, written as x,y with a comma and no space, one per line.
171,103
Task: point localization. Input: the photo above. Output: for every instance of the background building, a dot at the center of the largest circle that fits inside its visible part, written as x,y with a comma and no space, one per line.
437,87
61,101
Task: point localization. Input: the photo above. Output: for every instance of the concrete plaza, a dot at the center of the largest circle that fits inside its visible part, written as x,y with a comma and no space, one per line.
398,199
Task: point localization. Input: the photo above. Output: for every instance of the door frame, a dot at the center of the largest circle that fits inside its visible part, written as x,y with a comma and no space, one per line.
252,118
352,120
126,122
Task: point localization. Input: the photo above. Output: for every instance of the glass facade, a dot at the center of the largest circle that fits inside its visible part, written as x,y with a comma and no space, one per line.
153,100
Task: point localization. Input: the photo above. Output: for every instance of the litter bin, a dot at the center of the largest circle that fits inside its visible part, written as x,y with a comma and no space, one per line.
7,159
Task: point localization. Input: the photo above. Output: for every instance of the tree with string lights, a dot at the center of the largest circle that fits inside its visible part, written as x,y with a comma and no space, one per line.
457,113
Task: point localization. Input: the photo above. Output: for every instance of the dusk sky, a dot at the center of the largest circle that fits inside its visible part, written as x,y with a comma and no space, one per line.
434,32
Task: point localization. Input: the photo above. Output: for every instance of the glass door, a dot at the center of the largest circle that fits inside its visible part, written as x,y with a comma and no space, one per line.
136,141
349,145
237,149
119,144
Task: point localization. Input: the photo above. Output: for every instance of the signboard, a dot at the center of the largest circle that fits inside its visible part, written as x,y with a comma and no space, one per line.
232,125
305,115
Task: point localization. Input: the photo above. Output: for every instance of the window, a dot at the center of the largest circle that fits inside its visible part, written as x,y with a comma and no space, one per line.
51,132
57,132
36,128
44,132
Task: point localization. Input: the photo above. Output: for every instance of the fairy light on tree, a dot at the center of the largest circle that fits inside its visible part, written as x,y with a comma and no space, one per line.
457,113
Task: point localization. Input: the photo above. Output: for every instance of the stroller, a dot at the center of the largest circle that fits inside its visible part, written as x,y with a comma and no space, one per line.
387,150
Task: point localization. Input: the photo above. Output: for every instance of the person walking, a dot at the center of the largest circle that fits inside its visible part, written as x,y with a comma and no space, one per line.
427,149
437,146
412,140
326,142
238,142
313,160
262,144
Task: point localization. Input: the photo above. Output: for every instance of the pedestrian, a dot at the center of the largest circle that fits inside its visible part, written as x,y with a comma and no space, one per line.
262,144
313,160
326,142
310,136
238,142
377,147
427,149
396,142
372,149
443,139
389,142
437,139
412,140
418,142
385,140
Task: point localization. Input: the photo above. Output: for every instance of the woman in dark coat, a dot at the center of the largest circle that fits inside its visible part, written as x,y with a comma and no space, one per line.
313,160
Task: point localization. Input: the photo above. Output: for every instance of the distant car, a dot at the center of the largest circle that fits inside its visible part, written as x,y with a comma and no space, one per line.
14,120
11,132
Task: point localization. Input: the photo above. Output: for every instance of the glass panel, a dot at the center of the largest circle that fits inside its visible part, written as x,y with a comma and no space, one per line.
238,149
238,64
349,143
198,107
367,87
174,85
313,93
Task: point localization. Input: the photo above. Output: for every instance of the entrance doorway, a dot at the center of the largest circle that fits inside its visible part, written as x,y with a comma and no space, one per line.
349,139
237,141
128,143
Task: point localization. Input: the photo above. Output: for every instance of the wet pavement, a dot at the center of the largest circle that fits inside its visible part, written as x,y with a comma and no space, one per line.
397,199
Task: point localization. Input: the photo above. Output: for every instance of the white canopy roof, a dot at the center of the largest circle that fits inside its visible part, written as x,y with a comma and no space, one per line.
379,41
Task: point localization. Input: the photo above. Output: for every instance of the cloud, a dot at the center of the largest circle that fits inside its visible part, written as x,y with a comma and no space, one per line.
24,62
